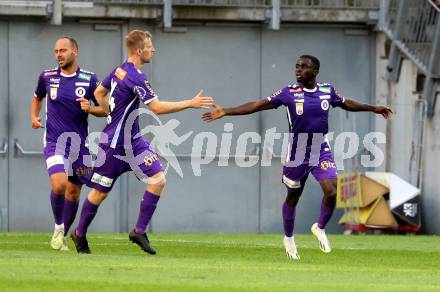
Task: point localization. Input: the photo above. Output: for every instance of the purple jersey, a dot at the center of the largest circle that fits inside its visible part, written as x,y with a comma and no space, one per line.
128,86
307,112
63,111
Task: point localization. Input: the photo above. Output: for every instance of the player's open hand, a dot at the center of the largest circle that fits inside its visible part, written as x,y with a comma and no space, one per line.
36,123
383,110
217,113
85,104
201,101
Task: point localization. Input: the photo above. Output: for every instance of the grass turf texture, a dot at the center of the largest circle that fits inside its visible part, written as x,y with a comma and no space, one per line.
221,262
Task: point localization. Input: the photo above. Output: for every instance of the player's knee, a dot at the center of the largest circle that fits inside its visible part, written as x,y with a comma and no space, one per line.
96,197
330,192
72,196
58,188
293,196
157,183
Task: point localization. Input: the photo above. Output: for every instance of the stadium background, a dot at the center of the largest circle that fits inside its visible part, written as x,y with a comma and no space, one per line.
236,51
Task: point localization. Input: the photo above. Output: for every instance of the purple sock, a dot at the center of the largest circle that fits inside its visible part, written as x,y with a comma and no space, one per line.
325,215
57,202
288,219
70,209
88,212
148,205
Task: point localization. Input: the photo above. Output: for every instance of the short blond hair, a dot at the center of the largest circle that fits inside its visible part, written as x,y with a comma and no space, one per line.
135,39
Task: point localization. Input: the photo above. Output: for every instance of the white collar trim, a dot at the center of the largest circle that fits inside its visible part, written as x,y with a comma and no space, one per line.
67,75
310,90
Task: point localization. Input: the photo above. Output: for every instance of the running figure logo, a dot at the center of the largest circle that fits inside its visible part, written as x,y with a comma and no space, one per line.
164,136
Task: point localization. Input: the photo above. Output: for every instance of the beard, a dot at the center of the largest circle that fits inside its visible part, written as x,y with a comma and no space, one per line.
67,65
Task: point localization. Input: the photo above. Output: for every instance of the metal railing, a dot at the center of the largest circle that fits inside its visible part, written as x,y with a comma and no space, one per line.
332,4
233,3
326,4
413,26
418,25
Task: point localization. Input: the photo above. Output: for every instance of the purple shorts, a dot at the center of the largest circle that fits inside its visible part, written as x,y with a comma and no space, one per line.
325,169
79,174
140,158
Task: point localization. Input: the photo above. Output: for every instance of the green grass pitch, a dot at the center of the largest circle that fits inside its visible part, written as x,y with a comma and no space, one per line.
221,262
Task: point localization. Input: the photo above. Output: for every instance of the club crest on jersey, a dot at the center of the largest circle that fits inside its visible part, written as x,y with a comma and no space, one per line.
53,93
80,91
84,76
120,73
325,89
324,104
299,106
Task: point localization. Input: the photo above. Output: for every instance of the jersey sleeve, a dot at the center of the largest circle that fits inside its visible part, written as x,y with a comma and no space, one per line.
336,98
143,90
108,80
278,97
41,91
93,84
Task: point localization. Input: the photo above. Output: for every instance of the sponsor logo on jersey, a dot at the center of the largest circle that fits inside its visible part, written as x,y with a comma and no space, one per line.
293,184
140,91
54,80
80,91
324,104
324,165
84,76
299,108
301,95
149,88
82,83
80,171
293,90
150,159
50,73
53,93
54,160
327,96
102,180
120,73
276,93
325,89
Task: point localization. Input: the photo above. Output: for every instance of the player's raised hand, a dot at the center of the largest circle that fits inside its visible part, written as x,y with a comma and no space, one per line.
217,113
383,110
36,123
201,101
85,104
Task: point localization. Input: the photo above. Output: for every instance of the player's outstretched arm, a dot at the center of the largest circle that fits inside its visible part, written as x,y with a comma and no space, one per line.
354,106
167,107
36,105
244,109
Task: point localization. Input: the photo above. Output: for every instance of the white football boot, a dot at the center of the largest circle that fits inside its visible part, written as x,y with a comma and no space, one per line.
319,233
57,237
65,247
290,246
